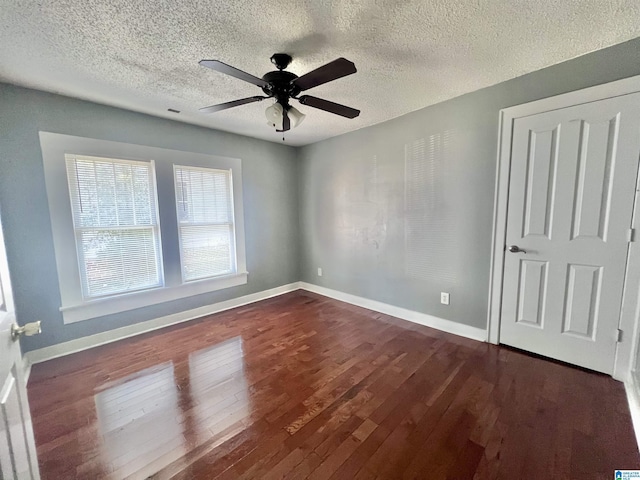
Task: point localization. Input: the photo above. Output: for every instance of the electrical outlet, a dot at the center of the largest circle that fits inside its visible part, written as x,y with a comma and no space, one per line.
444,298
319,272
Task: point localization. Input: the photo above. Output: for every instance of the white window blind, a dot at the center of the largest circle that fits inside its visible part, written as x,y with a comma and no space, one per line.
113,203
205,222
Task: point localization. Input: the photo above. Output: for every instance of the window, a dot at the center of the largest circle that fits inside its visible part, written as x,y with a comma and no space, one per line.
109,214
115,223
204,205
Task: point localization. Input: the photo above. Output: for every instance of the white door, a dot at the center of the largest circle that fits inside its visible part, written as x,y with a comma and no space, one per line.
571,194
17,447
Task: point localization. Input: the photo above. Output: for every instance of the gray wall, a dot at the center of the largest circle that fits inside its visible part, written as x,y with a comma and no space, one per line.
396,212
400,211
270,202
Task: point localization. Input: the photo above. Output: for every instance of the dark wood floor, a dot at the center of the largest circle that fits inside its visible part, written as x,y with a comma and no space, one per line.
302,386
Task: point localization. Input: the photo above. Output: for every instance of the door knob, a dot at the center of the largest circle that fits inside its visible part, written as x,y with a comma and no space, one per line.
27,329
516,249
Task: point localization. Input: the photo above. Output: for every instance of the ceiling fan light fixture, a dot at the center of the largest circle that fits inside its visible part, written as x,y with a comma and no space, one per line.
274,114
296,116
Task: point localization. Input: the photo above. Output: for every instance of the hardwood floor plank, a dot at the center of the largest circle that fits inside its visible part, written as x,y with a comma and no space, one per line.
302,386
342,451
304,468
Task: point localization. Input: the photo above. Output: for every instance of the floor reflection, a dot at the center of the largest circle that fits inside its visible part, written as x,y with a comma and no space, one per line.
218,389
140,422
152,418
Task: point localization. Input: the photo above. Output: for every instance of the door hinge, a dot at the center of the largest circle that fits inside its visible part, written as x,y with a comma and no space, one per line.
632,234
618,335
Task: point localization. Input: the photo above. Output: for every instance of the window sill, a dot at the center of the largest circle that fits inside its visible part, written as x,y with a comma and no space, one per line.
122,303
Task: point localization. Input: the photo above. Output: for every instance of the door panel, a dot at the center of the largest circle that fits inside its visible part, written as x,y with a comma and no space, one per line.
533,287
540,170
583,283
11,418
592,201
571,193
17,447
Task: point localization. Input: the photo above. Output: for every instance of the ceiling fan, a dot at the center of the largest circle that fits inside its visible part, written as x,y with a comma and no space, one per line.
283,86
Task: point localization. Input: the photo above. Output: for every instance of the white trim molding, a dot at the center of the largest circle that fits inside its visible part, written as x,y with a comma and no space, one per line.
624,355
633,397
75,307
129,301
438,323
625,360
103,338
91,341
577,97
26,367
498,239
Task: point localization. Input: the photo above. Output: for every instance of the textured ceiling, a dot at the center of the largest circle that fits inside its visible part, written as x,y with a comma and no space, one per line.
143,54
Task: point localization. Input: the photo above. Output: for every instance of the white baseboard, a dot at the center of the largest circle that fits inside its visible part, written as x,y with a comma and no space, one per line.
438,323
633,397
91,341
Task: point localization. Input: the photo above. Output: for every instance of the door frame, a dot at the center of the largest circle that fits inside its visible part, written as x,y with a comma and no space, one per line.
628,323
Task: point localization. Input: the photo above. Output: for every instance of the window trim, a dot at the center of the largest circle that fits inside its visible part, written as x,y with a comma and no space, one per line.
74,307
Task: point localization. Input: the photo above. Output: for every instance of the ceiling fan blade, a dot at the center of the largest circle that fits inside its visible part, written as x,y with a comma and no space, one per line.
331,71
328,106
234,72
286,121
235,103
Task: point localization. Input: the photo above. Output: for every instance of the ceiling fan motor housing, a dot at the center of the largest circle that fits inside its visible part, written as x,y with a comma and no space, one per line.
280,85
